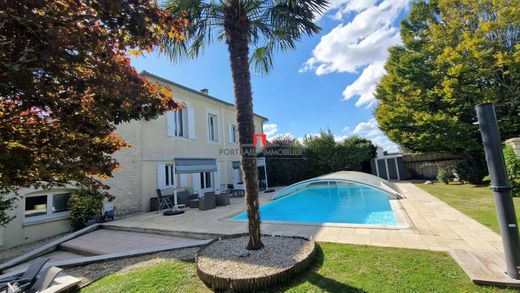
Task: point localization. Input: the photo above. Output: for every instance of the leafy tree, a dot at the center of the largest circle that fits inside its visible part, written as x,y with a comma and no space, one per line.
324,155
513,169
266,26
285,161
353,153
66,82
319,153
455,55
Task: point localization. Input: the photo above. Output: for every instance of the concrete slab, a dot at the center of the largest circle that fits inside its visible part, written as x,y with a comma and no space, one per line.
104,241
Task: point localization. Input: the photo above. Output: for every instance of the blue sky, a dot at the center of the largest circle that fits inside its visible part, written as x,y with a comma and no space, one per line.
327,82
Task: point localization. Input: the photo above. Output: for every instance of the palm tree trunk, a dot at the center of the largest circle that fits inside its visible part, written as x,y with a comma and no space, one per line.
236,26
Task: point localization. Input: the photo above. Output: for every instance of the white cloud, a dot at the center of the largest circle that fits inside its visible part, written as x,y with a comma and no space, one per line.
339,138
363,42
343,7
287,134
365,85
370,130
270,130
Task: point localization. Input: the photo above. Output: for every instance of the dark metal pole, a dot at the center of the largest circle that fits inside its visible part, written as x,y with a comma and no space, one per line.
500,186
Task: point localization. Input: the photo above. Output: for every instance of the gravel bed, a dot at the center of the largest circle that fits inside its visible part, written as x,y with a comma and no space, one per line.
229,258
92,272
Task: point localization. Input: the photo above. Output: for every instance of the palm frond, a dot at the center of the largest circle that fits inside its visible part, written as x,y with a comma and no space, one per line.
261,60
279,24
204,18
274,25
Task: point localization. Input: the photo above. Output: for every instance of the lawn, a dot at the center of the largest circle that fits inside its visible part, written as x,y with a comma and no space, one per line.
338,268
474,201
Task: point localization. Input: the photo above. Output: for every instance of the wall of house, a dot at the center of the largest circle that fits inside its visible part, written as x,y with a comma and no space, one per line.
21,230
159,148
126,183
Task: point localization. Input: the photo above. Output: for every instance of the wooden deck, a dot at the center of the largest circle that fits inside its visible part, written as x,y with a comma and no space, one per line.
486,267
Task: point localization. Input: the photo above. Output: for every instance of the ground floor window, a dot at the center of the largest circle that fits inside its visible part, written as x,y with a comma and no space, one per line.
35,206
205,180
46,205
169,174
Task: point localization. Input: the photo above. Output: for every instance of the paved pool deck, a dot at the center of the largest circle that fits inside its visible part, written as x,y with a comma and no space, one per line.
434,226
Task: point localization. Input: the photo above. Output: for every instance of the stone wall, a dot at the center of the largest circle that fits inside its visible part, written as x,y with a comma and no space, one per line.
126,184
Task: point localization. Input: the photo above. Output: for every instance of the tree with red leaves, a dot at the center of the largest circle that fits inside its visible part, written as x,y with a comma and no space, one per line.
65,84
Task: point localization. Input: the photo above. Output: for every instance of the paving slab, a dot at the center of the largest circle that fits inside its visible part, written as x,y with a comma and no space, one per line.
104,241
486,267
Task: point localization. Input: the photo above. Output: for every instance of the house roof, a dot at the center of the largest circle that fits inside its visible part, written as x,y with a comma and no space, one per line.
146,73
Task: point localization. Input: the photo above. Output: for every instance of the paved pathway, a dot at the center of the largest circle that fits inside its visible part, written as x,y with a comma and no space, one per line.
436,226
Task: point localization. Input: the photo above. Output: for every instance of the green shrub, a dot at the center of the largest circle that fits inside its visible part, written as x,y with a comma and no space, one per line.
445,176
472,169
317,155
513,169
84,204
486,180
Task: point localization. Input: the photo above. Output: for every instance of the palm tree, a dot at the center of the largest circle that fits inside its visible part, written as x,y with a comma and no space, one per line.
265,25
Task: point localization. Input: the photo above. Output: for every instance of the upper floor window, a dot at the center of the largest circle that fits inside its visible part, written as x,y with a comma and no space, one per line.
233,134
181,123
212,128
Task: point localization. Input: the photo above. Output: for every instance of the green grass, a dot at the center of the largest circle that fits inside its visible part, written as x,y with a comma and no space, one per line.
171,276
338,268
474,201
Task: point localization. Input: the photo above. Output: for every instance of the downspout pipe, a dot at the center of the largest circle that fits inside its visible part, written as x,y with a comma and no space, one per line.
502,190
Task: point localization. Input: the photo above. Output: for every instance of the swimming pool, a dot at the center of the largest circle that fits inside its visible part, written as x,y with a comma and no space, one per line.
329,201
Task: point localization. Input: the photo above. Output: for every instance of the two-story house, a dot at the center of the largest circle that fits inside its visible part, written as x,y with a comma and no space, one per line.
194,148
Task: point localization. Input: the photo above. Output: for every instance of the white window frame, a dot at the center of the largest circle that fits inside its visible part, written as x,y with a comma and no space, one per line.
50,214
203,179
181,127
233,134
212,131
180,124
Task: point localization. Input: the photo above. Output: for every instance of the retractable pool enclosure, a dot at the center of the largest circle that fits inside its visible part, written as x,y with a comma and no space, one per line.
343,178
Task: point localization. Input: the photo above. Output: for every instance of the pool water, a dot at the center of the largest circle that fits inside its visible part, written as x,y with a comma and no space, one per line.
355,204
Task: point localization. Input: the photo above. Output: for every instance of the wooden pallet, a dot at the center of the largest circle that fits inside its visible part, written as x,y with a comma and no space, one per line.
486,267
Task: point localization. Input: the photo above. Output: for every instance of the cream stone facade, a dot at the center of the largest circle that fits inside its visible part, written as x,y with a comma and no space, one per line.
156,143
204,129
